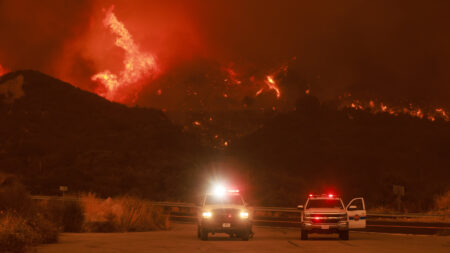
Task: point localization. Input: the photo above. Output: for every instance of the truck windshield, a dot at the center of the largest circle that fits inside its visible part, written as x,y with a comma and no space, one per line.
224,200
324,203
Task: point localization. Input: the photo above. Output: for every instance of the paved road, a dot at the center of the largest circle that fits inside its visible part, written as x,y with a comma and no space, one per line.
182,238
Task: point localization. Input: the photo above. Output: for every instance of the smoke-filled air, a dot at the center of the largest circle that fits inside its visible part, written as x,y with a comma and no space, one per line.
216,55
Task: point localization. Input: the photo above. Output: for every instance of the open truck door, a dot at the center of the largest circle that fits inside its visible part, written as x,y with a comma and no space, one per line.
356,213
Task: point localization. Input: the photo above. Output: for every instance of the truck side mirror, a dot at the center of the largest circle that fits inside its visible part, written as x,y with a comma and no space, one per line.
300,207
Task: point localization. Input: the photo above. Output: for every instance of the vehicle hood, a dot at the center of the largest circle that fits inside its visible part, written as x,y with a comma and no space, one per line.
325,210
212,207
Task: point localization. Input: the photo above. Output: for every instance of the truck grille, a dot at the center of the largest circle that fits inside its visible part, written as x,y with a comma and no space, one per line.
226,214
326,218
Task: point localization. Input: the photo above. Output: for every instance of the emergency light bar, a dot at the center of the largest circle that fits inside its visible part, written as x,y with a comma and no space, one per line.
220,190
329,195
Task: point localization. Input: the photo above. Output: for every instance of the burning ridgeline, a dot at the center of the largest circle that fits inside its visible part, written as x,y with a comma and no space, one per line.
431,113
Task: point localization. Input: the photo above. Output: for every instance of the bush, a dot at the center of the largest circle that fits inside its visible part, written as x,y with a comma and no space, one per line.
21,221
46,231
67,215
442,203
13,195
122,214
15,234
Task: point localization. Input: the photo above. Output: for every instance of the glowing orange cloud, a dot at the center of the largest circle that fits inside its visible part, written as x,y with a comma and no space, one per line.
3,70
138,65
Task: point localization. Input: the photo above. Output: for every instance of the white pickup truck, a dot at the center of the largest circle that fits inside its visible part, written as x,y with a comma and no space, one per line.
326,214
224,211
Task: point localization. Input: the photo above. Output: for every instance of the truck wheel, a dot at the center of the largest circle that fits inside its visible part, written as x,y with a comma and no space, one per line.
344,235
245,235
304,235
204,235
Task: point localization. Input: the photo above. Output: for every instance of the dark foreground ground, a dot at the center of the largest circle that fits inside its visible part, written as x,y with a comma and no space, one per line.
182,238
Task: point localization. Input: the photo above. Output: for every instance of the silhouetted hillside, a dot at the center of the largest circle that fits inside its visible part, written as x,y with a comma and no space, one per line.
319,149
53,134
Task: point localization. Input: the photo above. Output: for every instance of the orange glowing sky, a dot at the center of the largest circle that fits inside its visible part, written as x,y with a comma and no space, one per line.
226,54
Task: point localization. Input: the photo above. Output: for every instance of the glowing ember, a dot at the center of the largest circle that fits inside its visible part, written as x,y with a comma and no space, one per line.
432,115
271,85
3,70
232,76
259,92
196,123
137,65
441,112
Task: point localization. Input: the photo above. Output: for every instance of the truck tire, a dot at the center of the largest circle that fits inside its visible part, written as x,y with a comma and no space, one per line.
204,235
304,235
245,235
344,235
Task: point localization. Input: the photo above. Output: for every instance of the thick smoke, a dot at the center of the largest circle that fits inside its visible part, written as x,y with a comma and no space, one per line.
390,50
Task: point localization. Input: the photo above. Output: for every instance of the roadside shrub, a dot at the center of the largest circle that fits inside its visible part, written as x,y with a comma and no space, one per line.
21,221
67,215
122,214
15,234
45,230
138,215
442,203
13,195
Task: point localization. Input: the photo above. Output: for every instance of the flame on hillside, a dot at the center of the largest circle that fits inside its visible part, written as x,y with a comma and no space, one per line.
414,111
271,83
137,65
3,70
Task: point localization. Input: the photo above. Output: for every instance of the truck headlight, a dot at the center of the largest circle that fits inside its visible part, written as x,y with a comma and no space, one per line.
244,215
206,214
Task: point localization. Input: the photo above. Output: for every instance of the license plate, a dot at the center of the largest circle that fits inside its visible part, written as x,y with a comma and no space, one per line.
226,225
325,227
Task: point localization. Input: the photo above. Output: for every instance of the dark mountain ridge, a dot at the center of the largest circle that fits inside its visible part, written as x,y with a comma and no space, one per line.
319,149
53,134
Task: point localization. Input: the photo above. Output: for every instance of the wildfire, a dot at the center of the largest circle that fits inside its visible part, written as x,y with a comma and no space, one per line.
271,85
137,65
232,76
3,70
413,111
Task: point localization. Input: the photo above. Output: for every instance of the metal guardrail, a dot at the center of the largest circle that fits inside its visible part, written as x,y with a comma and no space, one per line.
287,210
68,198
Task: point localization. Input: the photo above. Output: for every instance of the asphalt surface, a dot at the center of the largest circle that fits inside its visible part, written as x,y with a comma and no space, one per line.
373,225
182,238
